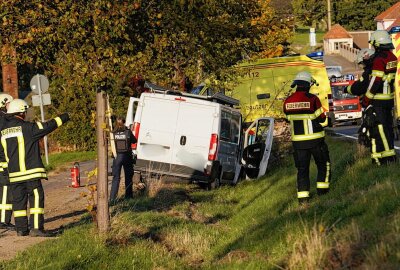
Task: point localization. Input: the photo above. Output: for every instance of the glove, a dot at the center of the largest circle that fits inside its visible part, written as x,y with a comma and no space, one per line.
363,137
64,117
369,117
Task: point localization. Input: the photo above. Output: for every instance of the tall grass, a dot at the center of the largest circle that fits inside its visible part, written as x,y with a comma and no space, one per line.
254,225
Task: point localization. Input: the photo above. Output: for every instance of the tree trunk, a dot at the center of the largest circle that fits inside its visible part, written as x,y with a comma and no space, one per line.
9,71
103,218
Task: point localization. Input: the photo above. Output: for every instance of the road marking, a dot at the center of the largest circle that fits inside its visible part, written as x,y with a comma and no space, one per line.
355,138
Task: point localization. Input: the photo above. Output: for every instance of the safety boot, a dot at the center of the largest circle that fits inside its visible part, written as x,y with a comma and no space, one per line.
39,233
7,226
322,191
22,233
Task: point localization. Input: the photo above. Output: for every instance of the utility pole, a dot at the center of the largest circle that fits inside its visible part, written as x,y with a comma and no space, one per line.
103,218
328,2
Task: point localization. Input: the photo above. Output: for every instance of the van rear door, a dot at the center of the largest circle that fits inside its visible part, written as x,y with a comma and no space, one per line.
195,124
157,128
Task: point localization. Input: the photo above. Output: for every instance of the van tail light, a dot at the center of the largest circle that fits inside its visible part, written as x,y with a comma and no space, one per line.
330,102
212,152
135,130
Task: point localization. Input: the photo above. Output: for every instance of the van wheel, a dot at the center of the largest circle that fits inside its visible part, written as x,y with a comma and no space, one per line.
216,183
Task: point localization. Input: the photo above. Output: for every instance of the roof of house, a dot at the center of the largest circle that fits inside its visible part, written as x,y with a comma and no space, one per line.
391,13
337,31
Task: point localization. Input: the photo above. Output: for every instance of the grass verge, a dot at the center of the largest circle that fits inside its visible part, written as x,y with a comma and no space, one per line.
64,159
255,225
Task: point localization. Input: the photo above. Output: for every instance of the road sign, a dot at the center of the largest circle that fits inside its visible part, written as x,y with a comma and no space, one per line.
36,101
39,83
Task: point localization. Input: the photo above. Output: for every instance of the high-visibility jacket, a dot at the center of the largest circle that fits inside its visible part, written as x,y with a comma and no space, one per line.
20,141
3,162
306,115
381,87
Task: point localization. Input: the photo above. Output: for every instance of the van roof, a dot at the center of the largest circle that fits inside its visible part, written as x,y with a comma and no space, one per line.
303,59
217,97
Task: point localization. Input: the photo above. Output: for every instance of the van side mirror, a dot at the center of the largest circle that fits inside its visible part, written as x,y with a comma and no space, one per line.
263,96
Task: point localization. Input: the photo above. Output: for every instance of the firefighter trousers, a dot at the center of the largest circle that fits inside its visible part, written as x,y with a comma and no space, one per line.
302,158
382,137
5,204
24,192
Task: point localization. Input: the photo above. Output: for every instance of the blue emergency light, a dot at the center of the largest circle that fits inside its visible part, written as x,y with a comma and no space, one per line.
316,55
395,29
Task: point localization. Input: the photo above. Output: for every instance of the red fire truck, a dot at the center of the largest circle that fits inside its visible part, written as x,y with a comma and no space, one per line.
343,107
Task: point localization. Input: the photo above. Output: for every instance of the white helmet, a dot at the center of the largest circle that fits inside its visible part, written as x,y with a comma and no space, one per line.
17,106
364,54
381,39
302,77
4,99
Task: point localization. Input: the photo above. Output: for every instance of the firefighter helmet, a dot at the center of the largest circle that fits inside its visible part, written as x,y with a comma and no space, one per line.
364,54
17,106
4,99
303,78
381,39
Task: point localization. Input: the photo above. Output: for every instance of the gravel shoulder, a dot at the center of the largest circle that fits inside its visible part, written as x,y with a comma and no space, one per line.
64,206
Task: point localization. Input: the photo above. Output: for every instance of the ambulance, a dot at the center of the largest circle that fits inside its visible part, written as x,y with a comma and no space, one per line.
265,84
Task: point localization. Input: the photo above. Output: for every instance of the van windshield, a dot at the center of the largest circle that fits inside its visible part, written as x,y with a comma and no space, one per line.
338,93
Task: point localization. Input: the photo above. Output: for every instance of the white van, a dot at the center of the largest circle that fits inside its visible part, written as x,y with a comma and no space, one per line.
198,138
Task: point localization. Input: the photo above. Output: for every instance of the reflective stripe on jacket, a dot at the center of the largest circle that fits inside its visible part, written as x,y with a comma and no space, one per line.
20,141
306,115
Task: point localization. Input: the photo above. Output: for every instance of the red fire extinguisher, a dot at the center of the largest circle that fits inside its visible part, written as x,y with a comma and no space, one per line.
75,176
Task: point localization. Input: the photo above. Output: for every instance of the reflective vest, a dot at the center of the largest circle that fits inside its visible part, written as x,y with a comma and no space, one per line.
306,116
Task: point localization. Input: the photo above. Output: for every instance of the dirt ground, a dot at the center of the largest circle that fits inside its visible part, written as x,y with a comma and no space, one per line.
64,206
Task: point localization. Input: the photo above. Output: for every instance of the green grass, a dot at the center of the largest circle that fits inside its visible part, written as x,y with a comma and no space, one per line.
301,40
66,158
255,225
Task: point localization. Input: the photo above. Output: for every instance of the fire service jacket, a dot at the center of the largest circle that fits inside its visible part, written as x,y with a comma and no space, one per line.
20,141
3,162
381,87
305,113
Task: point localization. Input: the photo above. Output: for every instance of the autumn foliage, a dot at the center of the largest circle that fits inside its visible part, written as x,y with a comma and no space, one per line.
87,45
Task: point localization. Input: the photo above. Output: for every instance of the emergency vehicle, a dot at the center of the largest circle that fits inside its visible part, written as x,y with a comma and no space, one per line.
344,107
266,84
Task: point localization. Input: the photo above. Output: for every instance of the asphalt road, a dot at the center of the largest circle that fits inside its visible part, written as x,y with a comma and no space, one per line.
350,131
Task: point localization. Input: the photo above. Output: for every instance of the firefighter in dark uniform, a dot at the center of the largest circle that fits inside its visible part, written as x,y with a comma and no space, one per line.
5,191
359,88
124,139
364,58
380,99
307,118
20,140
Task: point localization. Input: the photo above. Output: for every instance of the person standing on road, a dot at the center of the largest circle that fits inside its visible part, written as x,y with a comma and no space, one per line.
379,96
124,139
20,140
307,117
5,192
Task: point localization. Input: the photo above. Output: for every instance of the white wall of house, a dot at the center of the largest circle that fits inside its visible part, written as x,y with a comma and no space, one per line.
383,25
332,46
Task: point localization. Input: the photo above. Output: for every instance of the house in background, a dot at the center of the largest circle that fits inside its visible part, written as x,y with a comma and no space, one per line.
389,18
336,37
